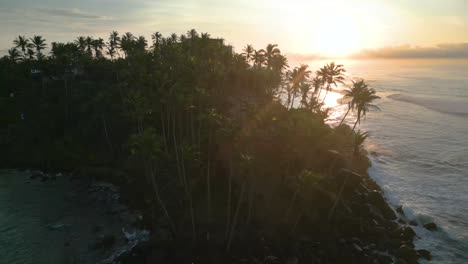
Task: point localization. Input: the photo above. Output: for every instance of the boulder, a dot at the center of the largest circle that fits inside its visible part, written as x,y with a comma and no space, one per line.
407,253
424,254
400,210
431,226
413,223
408,234
378,201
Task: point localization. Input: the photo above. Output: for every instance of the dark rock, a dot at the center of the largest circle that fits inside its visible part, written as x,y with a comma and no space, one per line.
401,221
424,254
413,223
408,234
378,201
407,253
431,226
103,242
66,244
400,210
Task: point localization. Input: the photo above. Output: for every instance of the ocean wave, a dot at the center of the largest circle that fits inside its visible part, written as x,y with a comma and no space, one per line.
450,106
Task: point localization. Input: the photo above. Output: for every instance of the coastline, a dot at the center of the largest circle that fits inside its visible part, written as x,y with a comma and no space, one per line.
364,228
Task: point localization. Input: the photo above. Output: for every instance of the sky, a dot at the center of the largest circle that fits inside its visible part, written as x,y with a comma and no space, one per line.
310,27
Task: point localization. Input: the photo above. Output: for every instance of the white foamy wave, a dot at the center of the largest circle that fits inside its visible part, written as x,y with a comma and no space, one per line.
451,106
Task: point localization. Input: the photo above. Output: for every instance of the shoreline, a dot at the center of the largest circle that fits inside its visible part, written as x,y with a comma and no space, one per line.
398,235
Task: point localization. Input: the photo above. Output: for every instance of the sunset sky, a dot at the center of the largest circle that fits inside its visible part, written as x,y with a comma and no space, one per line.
332,27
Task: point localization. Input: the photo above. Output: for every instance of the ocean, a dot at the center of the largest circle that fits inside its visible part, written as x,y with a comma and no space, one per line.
418,145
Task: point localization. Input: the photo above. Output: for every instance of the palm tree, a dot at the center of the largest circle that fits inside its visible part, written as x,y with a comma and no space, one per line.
317,84
331,74
258,58
173,38
354,93
81,43
192,34
30,54
13,55
270,52
127,43
38,42
279,63
304,87
23,43
98,46
359,138
248,52
364,103
113,44
141,43
89,45
296,77
156,36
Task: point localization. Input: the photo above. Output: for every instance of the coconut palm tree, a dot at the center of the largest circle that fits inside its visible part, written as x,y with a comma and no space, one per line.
173,38
304,87
248,52
270,52
89,45
38,42
113,44
98,46
353,94
30,54
156,37
141,43
296,77
317,84
279,63
258,58
359,138
192,34
331,74
126,44
13,55
363,104
81,43
23,43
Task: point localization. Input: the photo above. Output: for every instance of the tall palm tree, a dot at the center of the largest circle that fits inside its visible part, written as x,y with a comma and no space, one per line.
359,138
192,34
258,58
296,77
98,46
13,55
89,45
270,52
173,38
81,43
141,43
248,52
23,43
127,43
30,54
304,87
317,84
113,44
363,104
331,74
38,42
354,94
279,63
156,37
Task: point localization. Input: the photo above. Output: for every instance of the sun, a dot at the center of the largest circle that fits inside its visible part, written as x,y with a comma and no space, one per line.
337,35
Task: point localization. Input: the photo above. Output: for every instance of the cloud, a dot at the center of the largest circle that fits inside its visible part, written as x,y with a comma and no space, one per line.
70,13
449,50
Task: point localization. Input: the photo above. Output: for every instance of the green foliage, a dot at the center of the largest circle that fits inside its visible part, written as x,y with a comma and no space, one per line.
205,131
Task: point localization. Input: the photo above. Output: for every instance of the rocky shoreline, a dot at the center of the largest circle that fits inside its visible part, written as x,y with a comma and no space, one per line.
363,228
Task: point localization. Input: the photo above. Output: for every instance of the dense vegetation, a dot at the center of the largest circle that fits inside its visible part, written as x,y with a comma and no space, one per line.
220,147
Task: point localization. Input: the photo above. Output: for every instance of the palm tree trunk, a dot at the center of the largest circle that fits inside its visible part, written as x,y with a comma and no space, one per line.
342,120
357,121
228,214
236,216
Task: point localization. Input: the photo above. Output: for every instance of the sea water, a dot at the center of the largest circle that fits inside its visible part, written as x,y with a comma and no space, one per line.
419,145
